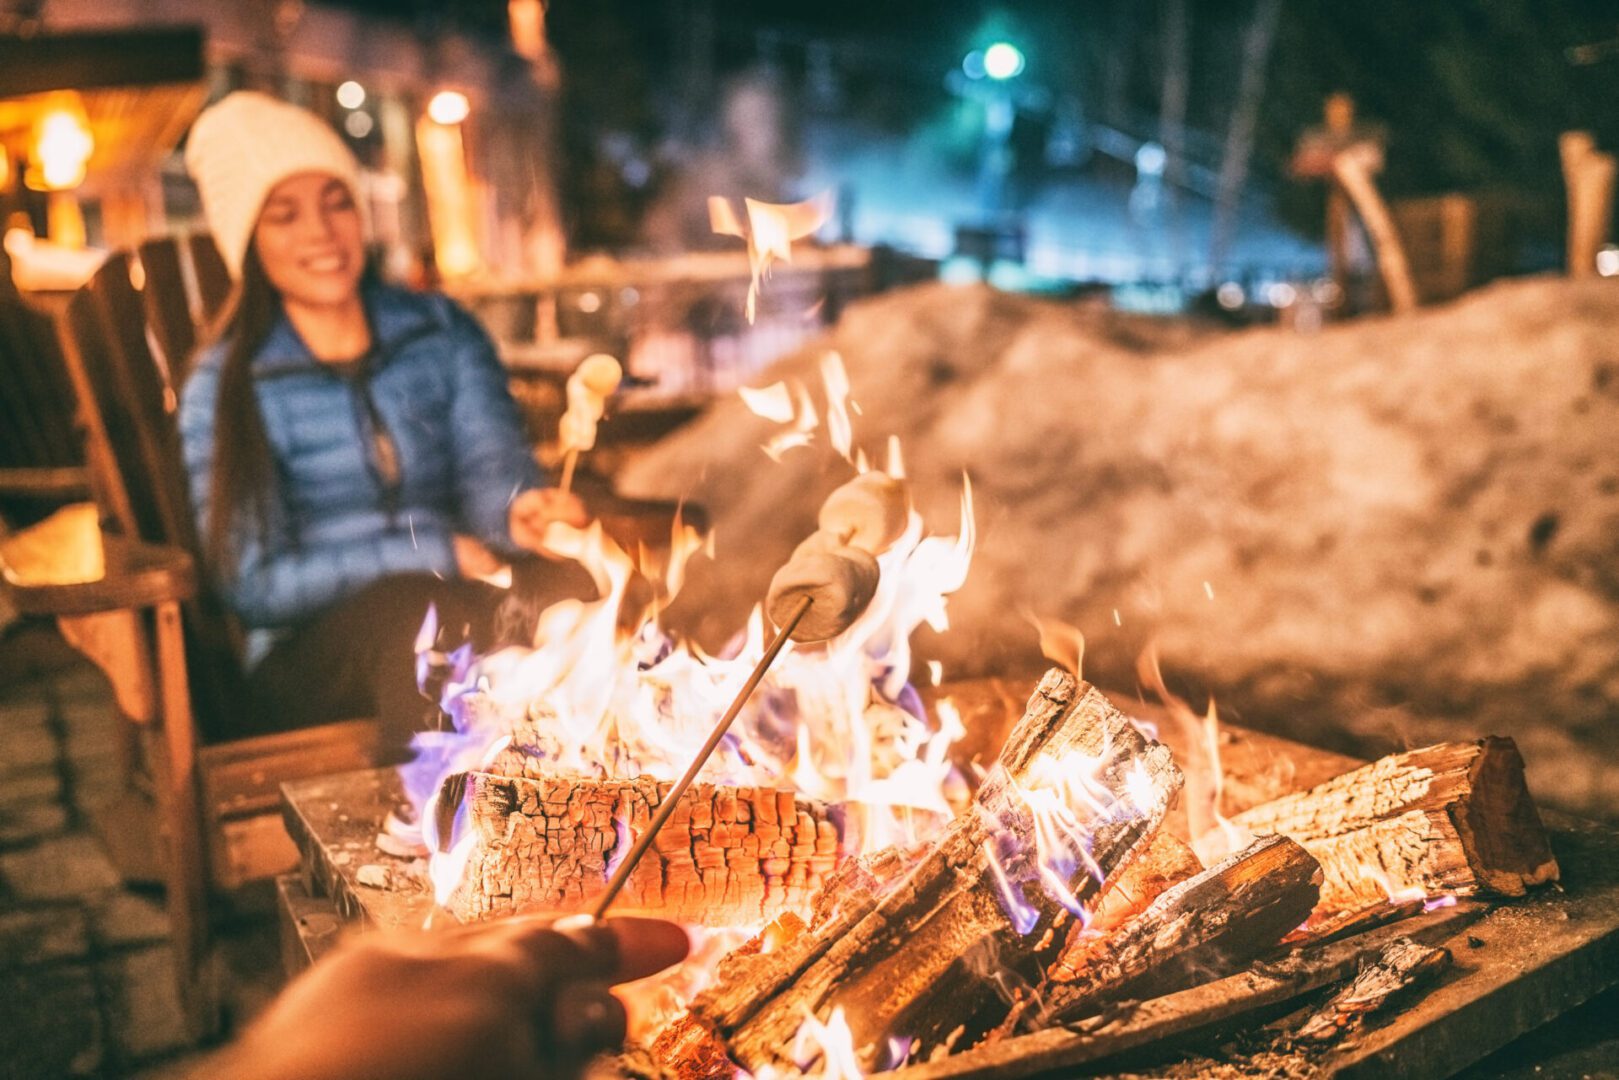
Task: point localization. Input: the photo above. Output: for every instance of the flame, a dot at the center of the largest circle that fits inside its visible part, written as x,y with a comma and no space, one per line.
839,429
606,692
1060,643
603,690
1410,894
1213,835
1065,801
771,230
826,1051
773,402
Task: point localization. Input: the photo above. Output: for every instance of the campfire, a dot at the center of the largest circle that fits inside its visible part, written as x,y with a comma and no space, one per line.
860,899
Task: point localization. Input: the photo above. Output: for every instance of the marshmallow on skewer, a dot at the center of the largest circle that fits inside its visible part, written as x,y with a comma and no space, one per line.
839,582
870,512
589,387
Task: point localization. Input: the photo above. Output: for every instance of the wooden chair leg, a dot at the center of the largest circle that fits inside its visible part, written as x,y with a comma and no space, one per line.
178,808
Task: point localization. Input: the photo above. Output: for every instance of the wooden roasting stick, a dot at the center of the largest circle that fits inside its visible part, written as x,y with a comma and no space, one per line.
1450,818
924,958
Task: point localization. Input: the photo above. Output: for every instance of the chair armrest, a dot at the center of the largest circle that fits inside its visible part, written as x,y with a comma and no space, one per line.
66,482
139,575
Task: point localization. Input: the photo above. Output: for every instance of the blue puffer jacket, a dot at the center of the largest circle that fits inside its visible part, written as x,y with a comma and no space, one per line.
433,388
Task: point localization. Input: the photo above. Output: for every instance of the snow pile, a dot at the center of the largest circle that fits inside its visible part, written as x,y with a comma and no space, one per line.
1390,531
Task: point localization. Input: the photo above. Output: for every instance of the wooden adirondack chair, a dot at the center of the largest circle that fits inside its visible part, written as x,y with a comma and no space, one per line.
42,460
169,652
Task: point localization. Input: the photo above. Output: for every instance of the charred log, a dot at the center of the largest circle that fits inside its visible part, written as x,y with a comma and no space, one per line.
921,958
729,856
1207,927
1449,818
1403,965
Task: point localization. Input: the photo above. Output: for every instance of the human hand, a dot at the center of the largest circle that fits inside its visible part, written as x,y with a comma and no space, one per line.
473,559
515,998
536,508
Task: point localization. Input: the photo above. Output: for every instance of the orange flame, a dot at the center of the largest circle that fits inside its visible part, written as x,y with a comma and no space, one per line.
1060,643
1213,835
772,228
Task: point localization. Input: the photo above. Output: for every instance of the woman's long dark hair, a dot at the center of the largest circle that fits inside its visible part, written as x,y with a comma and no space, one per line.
243,479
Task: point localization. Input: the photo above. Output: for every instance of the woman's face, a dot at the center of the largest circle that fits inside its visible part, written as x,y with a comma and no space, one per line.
308,240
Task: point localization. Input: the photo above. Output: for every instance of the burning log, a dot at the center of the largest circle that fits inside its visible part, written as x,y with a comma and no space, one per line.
1165,862
1449,818
1403,964
925,959
1208,926
729,856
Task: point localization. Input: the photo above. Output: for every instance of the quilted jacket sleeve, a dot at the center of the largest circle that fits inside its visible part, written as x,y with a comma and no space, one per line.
493,458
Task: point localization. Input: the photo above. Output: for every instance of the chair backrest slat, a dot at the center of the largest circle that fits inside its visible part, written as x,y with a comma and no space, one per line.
213,280
37,403
106,320
129,405
168,308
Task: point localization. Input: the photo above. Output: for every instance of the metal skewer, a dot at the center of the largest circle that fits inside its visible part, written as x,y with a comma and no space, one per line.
666,808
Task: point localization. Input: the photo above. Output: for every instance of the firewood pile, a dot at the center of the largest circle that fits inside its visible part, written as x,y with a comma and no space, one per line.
1059,897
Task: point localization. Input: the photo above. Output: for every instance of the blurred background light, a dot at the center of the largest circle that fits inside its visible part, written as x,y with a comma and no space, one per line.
448,107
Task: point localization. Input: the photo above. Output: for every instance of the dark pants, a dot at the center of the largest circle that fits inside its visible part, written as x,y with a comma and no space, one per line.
358,659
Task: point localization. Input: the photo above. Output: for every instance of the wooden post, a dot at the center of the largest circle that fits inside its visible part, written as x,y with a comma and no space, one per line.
181,821
1588,175
1239,143
1353,168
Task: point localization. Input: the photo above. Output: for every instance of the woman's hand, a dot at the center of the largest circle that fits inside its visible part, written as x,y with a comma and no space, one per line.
536,508
516,998
474,560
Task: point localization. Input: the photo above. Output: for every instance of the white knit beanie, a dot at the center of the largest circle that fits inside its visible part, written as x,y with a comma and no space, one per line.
244,145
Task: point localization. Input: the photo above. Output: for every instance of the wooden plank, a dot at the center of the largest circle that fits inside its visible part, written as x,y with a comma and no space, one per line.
244,776
212,278
310,925
333,821
1535,959
248,849
168,312
84,60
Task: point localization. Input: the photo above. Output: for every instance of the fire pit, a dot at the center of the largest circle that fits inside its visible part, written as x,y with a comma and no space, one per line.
1514,963
975,880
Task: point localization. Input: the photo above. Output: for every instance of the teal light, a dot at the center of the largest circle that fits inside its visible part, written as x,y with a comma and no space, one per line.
1003,61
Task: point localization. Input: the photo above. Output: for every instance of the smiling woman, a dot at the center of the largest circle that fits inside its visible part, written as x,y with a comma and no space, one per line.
352,449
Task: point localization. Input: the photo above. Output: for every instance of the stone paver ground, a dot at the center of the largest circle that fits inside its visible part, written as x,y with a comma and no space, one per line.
86,972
